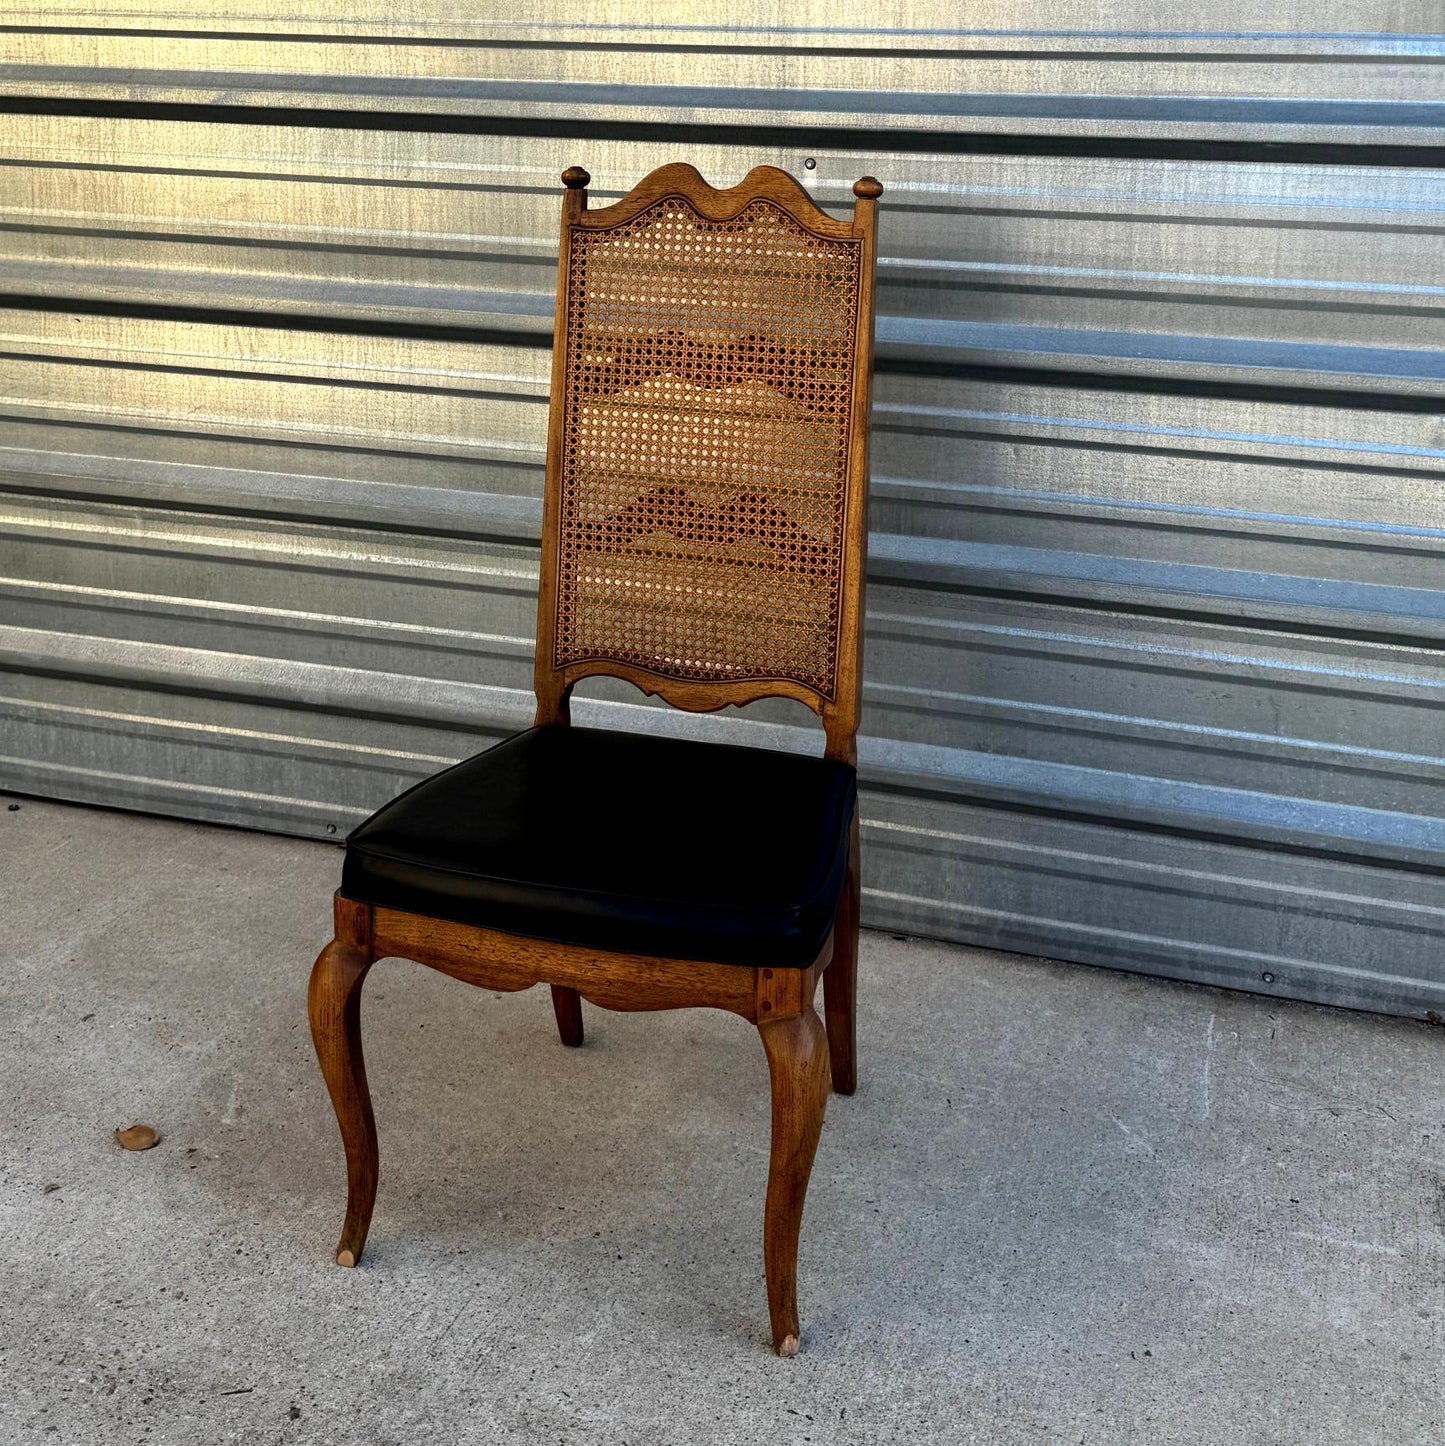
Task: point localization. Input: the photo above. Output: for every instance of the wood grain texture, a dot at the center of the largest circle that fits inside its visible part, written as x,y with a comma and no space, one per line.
334,1006
797,1050
721,203
840,723
508,962
551,688
690,697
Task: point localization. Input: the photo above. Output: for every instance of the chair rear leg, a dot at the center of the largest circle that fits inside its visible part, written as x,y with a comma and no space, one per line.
840,979
567,1006
334,1003
797,1050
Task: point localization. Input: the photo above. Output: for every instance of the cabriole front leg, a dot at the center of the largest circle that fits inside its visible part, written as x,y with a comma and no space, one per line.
334,1003
797,1050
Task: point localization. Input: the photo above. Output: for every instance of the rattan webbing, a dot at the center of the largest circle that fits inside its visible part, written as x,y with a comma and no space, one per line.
709,383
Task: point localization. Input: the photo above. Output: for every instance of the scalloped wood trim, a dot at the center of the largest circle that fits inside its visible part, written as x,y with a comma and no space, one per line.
627,982
694,697
762,183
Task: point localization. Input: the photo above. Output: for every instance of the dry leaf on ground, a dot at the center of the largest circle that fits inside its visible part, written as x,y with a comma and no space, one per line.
137,1137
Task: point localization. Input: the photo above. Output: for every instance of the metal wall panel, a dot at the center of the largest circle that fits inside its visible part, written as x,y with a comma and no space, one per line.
1156,646
1121,70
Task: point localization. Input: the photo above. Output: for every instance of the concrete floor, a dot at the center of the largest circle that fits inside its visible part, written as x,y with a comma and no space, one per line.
1064,1206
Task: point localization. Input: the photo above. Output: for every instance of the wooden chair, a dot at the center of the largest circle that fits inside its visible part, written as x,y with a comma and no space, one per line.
702,537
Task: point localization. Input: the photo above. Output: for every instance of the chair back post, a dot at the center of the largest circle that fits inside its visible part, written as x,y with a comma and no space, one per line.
718,557
554,695
840,719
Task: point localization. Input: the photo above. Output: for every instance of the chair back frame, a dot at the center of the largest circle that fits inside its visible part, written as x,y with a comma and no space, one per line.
839,707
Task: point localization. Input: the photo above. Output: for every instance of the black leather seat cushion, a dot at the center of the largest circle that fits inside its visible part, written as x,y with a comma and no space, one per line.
622,842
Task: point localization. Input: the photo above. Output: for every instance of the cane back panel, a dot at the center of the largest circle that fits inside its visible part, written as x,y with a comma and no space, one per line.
704,463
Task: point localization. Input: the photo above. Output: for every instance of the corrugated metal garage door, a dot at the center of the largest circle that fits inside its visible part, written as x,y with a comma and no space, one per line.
1158,566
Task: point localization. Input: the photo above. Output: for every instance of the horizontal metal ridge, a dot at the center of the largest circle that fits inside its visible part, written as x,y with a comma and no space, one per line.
1168,804
1070,28
1297,83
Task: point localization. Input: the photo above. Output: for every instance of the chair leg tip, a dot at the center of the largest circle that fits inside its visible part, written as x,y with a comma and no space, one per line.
346,1257
788,1346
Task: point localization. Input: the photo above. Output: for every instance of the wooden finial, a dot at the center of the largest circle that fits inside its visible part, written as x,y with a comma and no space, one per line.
576,179
867,189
